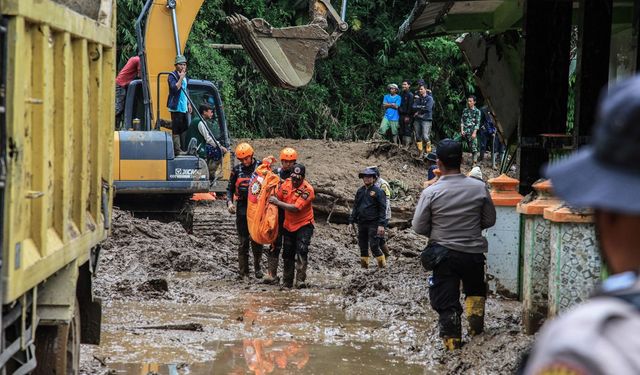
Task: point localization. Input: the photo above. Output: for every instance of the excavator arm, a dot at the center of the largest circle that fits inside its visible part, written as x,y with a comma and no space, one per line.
286,56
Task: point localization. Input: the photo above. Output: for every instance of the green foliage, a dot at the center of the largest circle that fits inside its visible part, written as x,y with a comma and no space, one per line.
343,100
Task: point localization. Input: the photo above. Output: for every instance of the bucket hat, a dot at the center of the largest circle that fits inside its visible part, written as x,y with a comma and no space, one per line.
392,86
606,174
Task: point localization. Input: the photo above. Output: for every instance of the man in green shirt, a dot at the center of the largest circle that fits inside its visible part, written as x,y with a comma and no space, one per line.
469,127
205,133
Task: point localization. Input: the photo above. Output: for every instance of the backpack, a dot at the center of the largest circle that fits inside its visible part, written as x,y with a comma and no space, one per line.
262,217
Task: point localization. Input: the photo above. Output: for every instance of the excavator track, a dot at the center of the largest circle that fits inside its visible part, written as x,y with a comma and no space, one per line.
211,219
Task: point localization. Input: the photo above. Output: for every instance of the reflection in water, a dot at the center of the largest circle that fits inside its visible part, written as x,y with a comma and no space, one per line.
262,356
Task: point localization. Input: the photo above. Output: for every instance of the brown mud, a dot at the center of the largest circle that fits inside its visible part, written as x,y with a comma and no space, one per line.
172,304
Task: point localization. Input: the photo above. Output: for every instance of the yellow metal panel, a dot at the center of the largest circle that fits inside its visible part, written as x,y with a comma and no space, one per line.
62,126
81,132
60,18
50,124
143,170
160,46
116,156
95,152
226,166
42,115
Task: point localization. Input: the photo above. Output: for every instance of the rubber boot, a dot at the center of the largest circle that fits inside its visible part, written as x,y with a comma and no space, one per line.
474,308
301,272
420,150
475,158
364,262
272,271
288,270
385,250
406,141
396,140
243,266
257,258
452,343
382,261
428,147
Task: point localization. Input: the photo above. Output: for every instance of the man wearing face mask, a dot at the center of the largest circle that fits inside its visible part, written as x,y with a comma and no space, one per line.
295,197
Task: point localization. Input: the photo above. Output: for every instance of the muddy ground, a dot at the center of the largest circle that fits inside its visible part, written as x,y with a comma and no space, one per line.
171,299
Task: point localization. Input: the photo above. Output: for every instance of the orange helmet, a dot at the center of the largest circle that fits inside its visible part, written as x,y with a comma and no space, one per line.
289,154
244,150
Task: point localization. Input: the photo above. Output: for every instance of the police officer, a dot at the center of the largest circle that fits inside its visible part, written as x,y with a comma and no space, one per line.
288,157
295,196
452,213
601,336
238,190
386,188
369,212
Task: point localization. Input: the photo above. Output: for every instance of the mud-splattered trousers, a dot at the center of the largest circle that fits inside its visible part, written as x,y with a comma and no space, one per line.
244,242
368,239
444,288
295,252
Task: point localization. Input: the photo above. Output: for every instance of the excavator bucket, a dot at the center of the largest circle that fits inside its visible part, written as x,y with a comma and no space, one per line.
286,56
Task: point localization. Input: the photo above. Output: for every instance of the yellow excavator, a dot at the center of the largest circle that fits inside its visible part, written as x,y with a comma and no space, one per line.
148,176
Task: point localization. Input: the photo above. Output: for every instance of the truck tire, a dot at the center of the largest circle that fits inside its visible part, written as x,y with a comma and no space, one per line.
58,347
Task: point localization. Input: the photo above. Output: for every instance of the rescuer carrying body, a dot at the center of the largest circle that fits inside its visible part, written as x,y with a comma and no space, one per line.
288,157
369,212
295,196
237,190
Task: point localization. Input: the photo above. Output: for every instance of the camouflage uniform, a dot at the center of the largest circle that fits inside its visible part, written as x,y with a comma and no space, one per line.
470,122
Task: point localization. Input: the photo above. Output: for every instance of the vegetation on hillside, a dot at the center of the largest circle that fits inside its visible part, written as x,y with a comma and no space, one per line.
343,100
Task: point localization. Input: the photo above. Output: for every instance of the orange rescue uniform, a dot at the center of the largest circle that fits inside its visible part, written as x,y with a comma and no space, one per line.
300,197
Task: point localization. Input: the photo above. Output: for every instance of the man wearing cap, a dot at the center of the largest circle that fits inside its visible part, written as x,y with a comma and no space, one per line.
202,129
295,196
423,118
601,335
390,104
178,104
288,158
386,188
452,213
369,212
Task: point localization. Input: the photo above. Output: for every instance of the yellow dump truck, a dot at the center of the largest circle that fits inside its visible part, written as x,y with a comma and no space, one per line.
56,140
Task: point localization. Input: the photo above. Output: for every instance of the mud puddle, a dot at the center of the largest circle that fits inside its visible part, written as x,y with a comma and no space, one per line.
270,331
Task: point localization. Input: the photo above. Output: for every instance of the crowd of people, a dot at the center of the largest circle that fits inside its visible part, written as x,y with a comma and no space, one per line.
408,116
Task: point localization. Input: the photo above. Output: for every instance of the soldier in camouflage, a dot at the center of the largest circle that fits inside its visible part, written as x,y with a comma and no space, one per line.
469,127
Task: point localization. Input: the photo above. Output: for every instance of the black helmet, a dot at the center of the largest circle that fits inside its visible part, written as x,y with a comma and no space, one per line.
299,169
367,172
375,169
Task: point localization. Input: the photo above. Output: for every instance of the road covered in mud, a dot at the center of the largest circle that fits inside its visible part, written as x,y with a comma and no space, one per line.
172,304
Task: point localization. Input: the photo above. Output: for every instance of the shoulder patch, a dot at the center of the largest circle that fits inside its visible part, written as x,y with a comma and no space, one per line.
372,193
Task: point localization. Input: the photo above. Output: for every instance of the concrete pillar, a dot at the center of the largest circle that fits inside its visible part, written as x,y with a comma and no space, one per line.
503,258
536,256
575,263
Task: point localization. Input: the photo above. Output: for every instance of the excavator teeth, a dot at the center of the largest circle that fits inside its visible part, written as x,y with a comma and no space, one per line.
285,56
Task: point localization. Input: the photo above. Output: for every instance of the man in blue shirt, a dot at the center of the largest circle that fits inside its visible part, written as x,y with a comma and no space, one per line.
390,104
178,104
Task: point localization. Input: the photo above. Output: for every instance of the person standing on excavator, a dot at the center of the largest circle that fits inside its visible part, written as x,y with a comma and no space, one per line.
238,190
128,73
178,105
288,157
369,212
295,196
452,213
209,149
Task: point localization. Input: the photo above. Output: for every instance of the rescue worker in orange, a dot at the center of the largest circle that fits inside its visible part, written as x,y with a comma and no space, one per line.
288,157
237,190
295,197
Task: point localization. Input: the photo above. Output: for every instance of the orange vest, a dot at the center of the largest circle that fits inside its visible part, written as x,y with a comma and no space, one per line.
262,217
301,197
